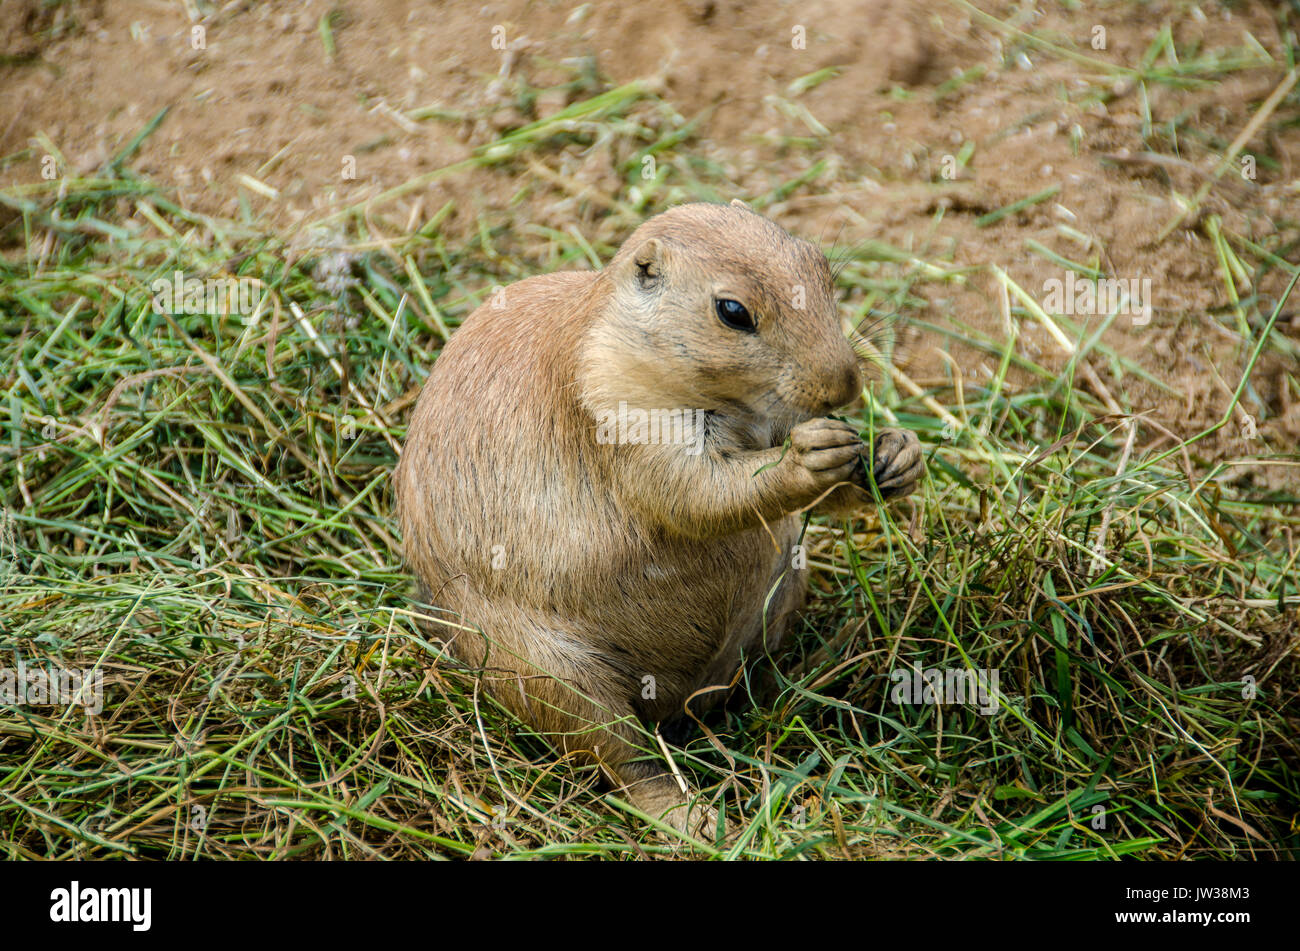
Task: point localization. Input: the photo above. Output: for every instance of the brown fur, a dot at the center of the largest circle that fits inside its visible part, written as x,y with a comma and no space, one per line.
589,566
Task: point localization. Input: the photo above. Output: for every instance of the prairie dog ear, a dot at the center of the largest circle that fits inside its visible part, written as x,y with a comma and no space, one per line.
649,264
737,203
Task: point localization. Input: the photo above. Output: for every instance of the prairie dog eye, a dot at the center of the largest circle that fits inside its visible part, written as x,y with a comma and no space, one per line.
734,315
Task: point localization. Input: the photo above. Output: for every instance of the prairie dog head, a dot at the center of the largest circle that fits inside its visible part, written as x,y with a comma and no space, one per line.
716,308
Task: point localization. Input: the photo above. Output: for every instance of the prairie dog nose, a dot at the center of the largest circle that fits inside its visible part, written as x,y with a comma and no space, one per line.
845,389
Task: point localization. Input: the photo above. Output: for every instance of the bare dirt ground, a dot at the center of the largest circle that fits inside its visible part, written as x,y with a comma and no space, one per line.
273,97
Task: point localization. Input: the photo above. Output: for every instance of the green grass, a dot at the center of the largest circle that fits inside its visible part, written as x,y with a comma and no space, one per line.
199,507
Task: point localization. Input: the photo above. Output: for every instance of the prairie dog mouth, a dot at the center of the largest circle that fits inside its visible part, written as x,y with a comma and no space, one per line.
762,422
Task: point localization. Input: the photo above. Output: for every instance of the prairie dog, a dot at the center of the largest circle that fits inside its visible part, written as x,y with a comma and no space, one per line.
602,470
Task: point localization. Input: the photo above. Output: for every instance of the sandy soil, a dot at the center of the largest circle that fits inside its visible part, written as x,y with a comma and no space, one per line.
263,98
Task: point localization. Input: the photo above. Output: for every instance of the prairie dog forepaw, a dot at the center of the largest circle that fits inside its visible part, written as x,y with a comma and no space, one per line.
898,462
826,450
